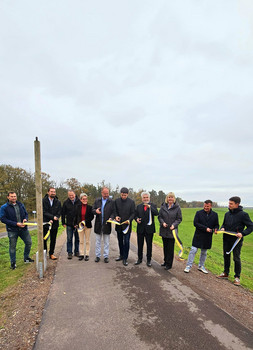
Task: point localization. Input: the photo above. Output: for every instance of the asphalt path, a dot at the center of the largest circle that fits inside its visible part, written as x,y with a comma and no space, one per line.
110,306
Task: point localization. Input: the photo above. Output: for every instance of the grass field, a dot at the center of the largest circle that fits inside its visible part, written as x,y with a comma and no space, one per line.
214,261
9,277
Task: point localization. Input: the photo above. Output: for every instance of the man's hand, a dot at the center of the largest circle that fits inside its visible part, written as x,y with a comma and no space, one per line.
55,218
215,231
172,227
209,229
64,226
138,220
239,235
98,211
165,225
118,218
20,224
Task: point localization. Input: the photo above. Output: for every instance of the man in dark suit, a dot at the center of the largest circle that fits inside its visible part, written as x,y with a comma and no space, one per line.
206,222
144,216
124,211
51,212
103,208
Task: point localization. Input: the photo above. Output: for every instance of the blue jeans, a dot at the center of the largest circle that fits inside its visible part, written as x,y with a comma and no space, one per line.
13,237
192,254
124,244
106,239
70,232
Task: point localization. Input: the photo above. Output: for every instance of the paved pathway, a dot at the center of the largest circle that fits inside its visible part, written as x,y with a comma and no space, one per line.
109,306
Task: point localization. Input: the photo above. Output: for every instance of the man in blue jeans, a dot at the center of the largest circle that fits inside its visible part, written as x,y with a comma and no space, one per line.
14,215
67,217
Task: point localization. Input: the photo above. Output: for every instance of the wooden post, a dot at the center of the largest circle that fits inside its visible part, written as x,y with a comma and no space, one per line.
38,186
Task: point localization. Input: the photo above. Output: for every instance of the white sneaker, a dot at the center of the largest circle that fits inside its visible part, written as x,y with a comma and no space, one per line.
202,269
187,269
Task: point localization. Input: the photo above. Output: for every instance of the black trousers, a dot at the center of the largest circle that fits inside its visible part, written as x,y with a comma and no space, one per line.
53,234
140,241
168,250
228,242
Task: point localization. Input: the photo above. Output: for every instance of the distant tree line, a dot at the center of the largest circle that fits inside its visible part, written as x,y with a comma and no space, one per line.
22,182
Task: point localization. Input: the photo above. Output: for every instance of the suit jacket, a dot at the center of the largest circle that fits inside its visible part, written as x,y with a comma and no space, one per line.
49,212
103,227
143,227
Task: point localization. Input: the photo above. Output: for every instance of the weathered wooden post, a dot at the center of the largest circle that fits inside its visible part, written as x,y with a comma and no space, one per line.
38,186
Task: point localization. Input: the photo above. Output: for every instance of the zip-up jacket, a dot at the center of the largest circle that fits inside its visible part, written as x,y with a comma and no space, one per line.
8,216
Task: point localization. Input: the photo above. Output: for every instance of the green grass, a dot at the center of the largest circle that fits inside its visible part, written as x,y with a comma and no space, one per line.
10,277
214,261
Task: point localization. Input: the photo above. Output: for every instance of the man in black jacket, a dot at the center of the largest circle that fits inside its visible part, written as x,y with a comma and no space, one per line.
51,212
103,208
235,220
67,216
124,211
205,221
144,216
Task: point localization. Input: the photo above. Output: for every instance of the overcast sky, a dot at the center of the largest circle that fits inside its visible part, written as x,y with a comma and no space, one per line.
143,94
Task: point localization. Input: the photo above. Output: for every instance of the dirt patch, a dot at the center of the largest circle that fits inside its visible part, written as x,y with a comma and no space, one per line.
23,304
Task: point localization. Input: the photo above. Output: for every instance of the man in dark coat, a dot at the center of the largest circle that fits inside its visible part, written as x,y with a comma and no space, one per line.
103,208
144,216
67,217
124,211
206,222
235,220
51,212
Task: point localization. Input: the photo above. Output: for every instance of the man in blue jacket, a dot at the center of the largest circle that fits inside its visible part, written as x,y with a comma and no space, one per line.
14,215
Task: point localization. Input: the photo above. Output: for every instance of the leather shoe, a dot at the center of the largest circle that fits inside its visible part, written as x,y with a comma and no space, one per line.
149,263
69,256
86,258
52,257
81,257
106,260
97,259
163,264
125,263
138,262
119,258
167,267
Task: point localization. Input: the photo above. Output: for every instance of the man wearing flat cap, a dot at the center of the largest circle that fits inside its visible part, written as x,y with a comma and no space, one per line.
124,211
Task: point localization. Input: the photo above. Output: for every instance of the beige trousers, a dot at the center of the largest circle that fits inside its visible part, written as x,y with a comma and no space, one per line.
85,232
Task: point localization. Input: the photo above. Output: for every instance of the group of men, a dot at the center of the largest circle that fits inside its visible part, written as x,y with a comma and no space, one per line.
236,225
122,212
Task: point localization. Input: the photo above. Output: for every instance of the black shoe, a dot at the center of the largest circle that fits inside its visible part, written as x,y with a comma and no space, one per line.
149,263
97,259
106,260
163,264
28,260
86,257
138,262
81,257
13,266
119,258
77,254
167,267
125,263
69,256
